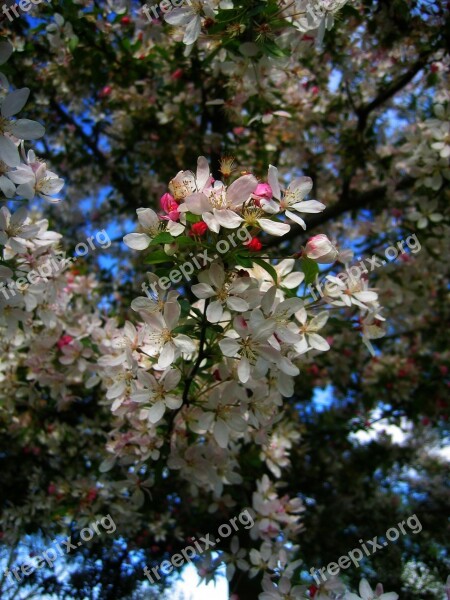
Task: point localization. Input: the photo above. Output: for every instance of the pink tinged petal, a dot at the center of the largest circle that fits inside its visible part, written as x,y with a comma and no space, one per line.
214,312
366,296
167,355
174,402
14,102
318,342
185,344
203,290
243,370
346,300
172,312
217,275
237,304
296,219
284,585
175,229
240,285
302,346
116,390
179,16
7,187
273,227
140,397
211,221
17,245
8,152
285,266
22,175
156,412
390,596
336,281
147,218
227,218
172,379
241,190
25,129
264,330
137,241
268,300
293,280
309,206
270,206
301,186
319,320
229,347
192,31
288,336
273,182
5,272
25,190
287,367
365,590
221,433
53,186
198,204
155,321
203,172
49,198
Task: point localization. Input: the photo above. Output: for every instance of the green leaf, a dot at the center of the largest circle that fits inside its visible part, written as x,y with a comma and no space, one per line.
73,43
310,269
185,240
244,261
158,257
273,50
162,238
267,267
191,218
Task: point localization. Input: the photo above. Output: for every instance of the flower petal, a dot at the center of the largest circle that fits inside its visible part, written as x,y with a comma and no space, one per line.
137,241
14,102
274,227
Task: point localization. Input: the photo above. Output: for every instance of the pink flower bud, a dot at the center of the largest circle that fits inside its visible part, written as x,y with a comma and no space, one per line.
65,340
170,206
320,249
177,74
263,190
106,91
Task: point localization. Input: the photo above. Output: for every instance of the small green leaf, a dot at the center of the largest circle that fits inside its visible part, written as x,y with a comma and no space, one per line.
191,218
162,238
158,257
244,261
273,50
267,267
310,269
185,240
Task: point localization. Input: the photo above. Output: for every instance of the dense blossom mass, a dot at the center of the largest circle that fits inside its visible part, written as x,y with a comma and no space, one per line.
288,163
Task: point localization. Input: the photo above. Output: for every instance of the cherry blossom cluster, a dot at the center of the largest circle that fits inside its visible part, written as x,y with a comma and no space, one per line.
21,175
307,16
427,149
211,375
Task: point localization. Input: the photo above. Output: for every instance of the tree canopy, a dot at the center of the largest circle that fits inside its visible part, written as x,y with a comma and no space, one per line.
224,296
